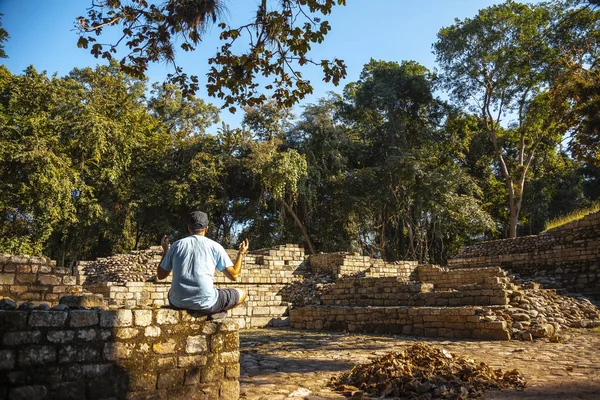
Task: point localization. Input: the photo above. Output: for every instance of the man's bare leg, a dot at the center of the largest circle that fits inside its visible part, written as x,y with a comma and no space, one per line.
242,297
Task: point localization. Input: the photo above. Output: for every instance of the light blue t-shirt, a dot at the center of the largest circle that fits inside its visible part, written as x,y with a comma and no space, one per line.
193,261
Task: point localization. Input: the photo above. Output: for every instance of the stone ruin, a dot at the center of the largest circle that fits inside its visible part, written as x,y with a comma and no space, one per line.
100,329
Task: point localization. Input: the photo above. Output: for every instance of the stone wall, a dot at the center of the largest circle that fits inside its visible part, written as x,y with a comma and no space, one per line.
391,292
451,322
265,276
568,256
35,279
444,278
344,264
100,354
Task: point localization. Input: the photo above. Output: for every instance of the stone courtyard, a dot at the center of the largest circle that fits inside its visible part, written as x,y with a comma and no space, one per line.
285,364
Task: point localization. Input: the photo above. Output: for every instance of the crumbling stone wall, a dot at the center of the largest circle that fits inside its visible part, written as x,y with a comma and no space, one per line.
344,264
35,279
567,257
444,278
392,292
133,354
265,276
459,322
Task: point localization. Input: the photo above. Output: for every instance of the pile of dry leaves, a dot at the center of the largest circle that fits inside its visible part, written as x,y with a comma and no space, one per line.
424,372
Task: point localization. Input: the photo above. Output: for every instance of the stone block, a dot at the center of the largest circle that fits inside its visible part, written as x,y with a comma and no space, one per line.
114,351
115,318
81,318
170,379
19,338
126,333
49,280
196,344
229,357
168,347
86,335
229,390
36,355
25,278
61,336
152,331
212,372
13,319
191,361
142,317
167,317
142,382
192,376
85,300
232,371
7,359
77,353
7,279
47,318
96,370
35,392
69,280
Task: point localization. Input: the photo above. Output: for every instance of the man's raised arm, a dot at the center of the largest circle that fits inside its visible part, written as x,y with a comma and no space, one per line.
234,271
165,244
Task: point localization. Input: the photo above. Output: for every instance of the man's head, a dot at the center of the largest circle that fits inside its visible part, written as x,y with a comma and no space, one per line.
198,222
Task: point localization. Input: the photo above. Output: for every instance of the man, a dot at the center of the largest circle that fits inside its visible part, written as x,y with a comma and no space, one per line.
193,261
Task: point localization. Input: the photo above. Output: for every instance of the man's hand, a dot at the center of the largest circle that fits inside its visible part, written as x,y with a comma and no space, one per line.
165,244
244,246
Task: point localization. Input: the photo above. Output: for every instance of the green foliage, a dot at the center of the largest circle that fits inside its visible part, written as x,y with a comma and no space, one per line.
573,216
3,38
280,42
508,65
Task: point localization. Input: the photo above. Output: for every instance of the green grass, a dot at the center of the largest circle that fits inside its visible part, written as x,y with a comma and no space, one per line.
597,330
574,216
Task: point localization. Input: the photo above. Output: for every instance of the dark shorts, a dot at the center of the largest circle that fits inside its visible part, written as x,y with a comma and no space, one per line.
225,298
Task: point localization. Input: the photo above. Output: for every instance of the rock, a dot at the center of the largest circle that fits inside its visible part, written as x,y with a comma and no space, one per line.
61,307
542,330
43,306
26,306
86,300
527,337
521,317
7,304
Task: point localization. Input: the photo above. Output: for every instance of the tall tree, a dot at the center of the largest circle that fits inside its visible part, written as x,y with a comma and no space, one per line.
505,64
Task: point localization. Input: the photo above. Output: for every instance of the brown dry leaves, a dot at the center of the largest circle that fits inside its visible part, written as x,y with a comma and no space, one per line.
424,372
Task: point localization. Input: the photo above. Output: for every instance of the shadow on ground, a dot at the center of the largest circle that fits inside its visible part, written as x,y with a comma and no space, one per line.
583,389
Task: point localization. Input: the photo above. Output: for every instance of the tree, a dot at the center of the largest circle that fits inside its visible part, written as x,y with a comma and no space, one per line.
280,40
506,64
408,191
3,38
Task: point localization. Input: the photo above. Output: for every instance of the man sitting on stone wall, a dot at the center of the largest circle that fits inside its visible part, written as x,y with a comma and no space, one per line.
193,261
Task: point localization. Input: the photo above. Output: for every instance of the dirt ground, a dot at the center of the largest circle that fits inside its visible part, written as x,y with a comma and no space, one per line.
278,364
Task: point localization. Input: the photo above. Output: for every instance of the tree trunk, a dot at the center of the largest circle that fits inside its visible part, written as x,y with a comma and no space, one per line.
301,226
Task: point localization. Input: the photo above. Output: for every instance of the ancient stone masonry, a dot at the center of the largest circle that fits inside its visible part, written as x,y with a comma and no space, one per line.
35,279
344,264
481,303
462,322
122,280
99,354
565,257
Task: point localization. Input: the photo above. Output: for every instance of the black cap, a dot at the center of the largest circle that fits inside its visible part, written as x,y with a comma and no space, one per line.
198,221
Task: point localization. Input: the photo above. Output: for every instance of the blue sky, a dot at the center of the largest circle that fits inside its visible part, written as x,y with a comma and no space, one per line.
42,34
